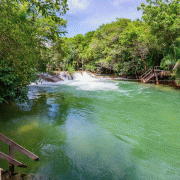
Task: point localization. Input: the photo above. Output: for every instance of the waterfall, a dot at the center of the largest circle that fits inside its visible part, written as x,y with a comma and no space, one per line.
83,77
81,80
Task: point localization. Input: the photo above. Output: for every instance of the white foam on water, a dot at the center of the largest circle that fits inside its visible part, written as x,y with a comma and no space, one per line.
84,77
96,85
82,81
86,82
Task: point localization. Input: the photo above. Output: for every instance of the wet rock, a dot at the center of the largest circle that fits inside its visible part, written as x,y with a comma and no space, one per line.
65,76
49,78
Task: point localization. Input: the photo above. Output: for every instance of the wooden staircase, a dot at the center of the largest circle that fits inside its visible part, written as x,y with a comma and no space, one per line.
147,75
150,76
152,72
9,174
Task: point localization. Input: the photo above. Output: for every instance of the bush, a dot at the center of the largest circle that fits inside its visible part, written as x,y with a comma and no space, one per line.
89,67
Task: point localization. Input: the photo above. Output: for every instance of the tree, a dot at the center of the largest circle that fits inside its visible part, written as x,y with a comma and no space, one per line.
26,28
164,19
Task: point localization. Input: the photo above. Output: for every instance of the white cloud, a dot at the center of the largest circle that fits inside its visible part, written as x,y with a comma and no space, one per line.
118,2
77,5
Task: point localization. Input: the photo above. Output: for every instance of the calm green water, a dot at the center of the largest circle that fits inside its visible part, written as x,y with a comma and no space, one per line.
97,130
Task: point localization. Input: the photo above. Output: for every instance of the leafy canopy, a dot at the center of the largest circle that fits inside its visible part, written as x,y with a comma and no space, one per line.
27,28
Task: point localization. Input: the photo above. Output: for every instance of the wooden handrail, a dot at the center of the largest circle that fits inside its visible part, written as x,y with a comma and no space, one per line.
18,147
147,74
14,146
149,70
157,68
11,160
148,78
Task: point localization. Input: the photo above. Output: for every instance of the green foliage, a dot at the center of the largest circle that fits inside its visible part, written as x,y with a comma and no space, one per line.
70,69
116,47
124,47
90,67
27,30
130,47
168,61
164,20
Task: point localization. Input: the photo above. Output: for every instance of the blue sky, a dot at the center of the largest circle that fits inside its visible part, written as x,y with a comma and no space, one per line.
87,15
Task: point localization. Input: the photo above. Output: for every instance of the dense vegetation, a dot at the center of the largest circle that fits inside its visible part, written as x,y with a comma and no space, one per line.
27,29
30,41
128,47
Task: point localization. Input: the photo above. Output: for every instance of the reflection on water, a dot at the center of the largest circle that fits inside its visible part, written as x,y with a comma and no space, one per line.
108,130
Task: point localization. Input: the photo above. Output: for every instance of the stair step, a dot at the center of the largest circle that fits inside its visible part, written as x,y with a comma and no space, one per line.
148,78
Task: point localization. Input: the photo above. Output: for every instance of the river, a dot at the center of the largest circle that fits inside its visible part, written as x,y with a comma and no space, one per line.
97,129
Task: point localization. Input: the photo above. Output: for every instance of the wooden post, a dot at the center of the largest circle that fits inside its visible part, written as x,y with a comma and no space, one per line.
1,170
11,154
157,83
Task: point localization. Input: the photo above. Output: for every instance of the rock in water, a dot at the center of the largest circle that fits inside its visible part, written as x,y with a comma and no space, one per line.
65,76
49,78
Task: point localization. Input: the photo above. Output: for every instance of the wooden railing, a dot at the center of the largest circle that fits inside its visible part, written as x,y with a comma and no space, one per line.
146,74
148,78
157,69
149,73
14,146
149,70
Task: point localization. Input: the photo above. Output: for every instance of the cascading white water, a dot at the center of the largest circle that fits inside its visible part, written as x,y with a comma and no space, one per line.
83,77
89,82
81,80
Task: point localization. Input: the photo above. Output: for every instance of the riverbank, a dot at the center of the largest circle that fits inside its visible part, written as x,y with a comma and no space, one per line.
65,75
165,82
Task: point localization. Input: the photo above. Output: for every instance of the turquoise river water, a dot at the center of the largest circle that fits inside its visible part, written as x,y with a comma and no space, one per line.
97,130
